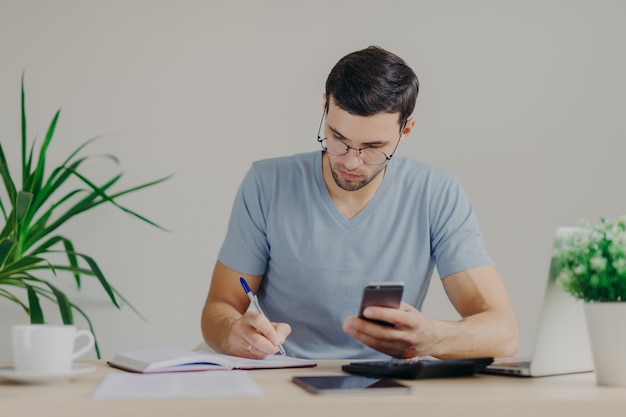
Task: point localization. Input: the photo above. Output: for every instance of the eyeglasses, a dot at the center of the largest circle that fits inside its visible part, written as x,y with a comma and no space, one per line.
369,156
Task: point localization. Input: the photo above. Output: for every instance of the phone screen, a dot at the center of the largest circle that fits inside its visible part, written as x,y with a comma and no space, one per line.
348,383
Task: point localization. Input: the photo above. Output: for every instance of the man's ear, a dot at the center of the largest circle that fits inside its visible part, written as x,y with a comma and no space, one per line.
324,102
408,126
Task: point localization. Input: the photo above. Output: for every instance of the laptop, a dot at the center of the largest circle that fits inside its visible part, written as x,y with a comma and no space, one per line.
562,343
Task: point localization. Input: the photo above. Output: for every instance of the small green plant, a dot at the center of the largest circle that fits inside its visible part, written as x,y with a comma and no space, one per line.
34,211
591,261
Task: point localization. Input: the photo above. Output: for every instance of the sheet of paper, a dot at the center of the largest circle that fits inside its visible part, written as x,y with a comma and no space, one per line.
213,384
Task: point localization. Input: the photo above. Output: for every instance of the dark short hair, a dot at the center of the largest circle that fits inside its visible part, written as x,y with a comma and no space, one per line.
371,81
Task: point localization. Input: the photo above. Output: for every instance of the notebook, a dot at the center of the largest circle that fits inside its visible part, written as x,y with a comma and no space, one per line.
158,360
561,342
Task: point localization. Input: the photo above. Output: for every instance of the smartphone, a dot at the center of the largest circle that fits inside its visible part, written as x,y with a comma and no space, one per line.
381,294
332,384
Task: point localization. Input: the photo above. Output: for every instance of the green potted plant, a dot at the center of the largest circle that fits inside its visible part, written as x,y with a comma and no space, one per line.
34,207
591,264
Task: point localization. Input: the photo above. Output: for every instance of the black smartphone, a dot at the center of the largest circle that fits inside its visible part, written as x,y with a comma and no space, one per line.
381,294
331,384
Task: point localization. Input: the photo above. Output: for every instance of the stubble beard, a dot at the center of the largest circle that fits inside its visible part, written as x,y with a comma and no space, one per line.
354,186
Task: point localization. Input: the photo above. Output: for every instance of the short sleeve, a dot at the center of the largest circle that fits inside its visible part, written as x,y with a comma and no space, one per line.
245,248
456,241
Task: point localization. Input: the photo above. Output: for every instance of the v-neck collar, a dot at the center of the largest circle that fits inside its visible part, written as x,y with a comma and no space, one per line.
369,207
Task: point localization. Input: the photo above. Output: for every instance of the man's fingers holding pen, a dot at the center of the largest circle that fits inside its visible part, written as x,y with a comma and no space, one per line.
282,330
259,334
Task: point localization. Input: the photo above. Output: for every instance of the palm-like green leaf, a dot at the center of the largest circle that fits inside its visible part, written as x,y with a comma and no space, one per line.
8,295
6,245
20,265
9,185
25,165
36,313
33,214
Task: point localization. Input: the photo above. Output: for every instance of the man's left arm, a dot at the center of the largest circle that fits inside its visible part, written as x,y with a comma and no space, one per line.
487,328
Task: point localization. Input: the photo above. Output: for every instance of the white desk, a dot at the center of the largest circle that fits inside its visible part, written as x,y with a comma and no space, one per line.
481,395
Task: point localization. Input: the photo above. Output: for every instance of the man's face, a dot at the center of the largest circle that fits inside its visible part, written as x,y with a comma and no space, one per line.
380,131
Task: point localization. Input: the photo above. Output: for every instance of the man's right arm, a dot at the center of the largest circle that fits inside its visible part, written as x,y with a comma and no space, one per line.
227,326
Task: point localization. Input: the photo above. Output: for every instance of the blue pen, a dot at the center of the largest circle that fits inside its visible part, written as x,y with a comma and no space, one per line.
255,302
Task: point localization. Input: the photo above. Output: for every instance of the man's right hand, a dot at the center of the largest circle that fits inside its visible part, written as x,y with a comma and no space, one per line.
254,336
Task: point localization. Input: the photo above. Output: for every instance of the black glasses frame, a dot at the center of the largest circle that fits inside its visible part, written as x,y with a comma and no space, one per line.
358,150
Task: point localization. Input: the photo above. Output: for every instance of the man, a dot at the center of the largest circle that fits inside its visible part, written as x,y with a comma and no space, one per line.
309,231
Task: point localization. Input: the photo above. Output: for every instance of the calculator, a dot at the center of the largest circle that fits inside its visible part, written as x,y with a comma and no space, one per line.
418,368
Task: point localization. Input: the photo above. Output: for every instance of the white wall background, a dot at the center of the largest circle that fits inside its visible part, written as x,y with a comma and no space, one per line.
524,100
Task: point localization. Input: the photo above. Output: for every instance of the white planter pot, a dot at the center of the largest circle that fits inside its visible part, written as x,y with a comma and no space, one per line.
607,331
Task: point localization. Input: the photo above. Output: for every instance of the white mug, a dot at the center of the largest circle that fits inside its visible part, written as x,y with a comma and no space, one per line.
47,349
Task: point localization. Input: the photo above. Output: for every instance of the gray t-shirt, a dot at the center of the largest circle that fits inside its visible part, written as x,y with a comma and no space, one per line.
285,226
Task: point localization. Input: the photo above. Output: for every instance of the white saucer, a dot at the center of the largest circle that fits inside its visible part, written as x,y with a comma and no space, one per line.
9,372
